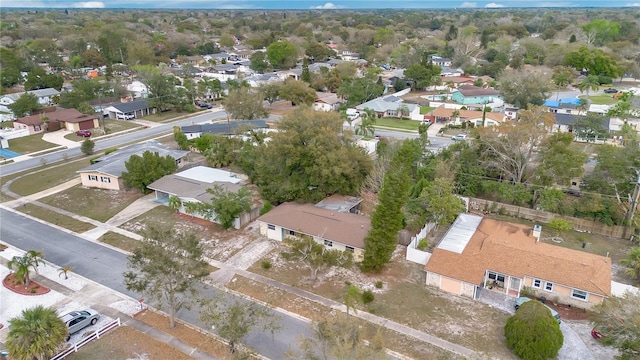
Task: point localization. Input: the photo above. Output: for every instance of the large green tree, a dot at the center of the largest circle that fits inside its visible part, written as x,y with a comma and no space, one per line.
307,159
524,87
143,170
314,255
533,333
437,203
632,263
595,61
282,54
559,161
298,92
166,267
38,334
245,104
38,79
25,105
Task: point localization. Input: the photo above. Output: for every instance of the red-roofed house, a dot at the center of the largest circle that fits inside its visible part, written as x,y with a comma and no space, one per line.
336,230
470,116
482,254
70,119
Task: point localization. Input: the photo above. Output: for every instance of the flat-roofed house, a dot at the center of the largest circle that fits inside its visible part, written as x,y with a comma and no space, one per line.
482,254
336,230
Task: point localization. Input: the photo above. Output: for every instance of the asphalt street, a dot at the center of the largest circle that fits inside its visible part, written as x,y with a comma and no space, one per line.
105,266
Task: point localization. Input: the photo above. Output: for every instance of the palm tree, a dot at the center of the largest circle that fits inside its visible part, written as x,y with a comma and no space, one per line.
366,127
562,77
454,115
64,270
37,334
352,297
24,265
591,82
174,203
632,262
403,110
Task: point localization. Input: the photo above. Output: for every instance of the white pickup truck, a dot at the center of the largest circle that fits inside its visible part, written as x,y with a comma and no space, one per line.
124,116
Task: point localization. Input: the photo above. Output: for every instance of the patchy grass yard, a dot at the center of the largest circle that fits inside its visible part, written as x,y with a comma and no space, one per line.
456,319
120,241
397,123
601,99
55,218
48,177
29,144
219,244
97,204
125,343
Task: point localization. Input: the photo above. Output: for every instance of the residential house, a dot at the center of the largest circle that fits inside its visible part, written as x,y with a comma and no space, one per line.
387,106
44,96
440,61
469,116
473,95
565,106
571,123
190,186
137,108
195,131
334,229
511,113
258,80
480,254
457,81
106,171
327,101
138,90
69,119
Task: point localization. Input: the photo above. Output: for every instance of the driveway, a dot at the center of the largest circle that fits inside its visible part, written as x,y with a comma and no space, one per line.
58,138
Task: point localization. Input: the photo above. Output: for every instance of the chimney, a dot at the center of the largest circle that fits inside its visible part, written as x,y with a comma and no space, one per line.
537,229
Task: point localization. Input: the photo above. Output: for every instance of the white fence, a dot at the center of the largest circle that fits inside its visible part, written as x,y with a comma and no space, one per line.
11,133
95,335
413,253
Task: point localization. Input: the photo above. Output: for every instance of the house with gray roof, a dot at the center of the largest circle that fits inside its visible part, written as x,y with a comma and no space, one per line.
195,131
190,186
137,108
387,106
106,171
44,96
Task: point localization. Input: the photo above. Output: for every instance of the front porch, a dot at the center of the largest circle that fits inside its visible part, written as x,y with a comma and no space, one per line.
502,283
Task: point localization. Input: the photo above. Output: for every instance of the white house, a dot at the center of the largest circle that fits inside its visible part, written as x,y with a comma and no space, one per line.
138,90
44,96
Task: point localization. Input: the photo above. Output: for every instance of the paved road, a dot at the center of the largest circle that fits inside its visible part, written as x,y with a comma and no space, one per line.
105,266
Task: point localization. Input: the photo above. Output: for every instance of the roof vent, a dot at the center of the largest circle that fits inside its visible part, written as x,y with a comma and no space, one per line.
537,229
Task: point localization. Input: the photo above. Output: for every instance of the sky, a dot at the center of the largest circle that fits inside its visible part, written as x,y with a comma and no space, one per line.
315,4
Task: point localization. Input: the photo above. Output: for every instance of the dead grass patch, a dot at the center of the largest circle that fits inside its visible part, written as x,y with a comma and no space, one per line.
219,244
194,337
127,343
53,217
97,204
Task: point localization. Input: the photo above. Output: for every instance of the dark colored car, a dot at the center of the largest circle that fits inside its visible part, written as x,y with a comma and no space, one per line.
83,133
203,105
610,91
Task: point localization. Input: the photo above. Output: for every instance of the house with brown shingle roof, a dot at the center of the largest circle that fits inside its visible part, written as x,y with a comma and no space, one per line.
70,119
336,230
482,254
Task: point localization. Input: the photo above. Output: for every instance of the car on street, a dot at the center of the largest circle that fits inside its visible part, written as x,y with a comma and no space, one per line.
203,105
83,133
124,116
459,137
610,91
80,319
523,299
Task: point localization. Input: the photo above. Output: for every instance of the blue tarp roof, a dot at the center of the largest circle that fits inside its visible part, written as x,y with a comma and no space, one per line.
554,103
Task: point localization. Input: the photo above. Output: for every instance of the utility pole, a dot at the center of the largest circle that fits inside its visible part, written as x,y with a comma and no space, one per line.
633,202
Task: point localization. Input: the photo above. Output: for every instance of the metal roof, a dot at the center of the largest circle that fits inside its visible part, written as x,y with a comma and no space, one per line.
459,234
209,175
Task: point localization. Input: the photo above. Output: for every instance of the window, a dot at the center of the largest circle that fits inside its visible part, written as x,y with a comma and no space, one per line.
579,294
496,277
537,283
271,227
37,128
548,286
349,248
105,179
93,177
328,243
292,233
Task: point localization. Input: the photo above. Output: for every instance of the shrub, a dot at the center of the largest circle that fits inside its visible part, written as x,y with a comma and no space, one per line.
528,291
533,333
379,284
367,296
423,243
109,151
266,208
266,264
87,146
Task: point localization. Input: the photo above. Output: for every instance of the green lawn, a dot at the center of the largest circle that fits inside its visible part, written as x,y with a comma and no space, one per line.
55,218
425,109
111,125
402,124
29,144
48,177
601,99
164,116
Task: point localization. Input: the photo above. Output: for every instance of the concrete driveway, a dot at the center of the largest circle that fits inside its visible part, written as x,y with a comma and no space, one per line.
58,138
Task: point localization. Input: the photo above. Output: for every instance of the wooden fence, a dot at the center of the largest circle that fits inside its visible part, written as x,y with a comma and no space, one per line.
95,335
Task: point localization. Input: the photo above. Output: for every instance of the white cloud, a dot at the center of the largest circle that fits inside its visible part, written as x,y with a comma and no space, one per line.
326,6
468,4
633,4
88,4
493,5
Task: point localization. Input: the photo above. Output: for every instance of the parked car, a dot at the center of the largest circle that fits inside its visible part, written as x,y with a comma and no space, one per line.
124,116
83,133
459,137
78,320
610,91
203,105
523,299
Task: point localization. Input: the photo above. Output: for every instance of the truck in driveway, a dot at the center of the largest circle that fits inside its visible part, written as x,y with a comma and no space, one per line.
123,116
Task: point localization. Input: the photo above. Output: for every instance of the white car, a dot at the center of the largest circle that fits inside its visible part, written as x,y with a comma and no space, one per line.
124,116
78,320
459,137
